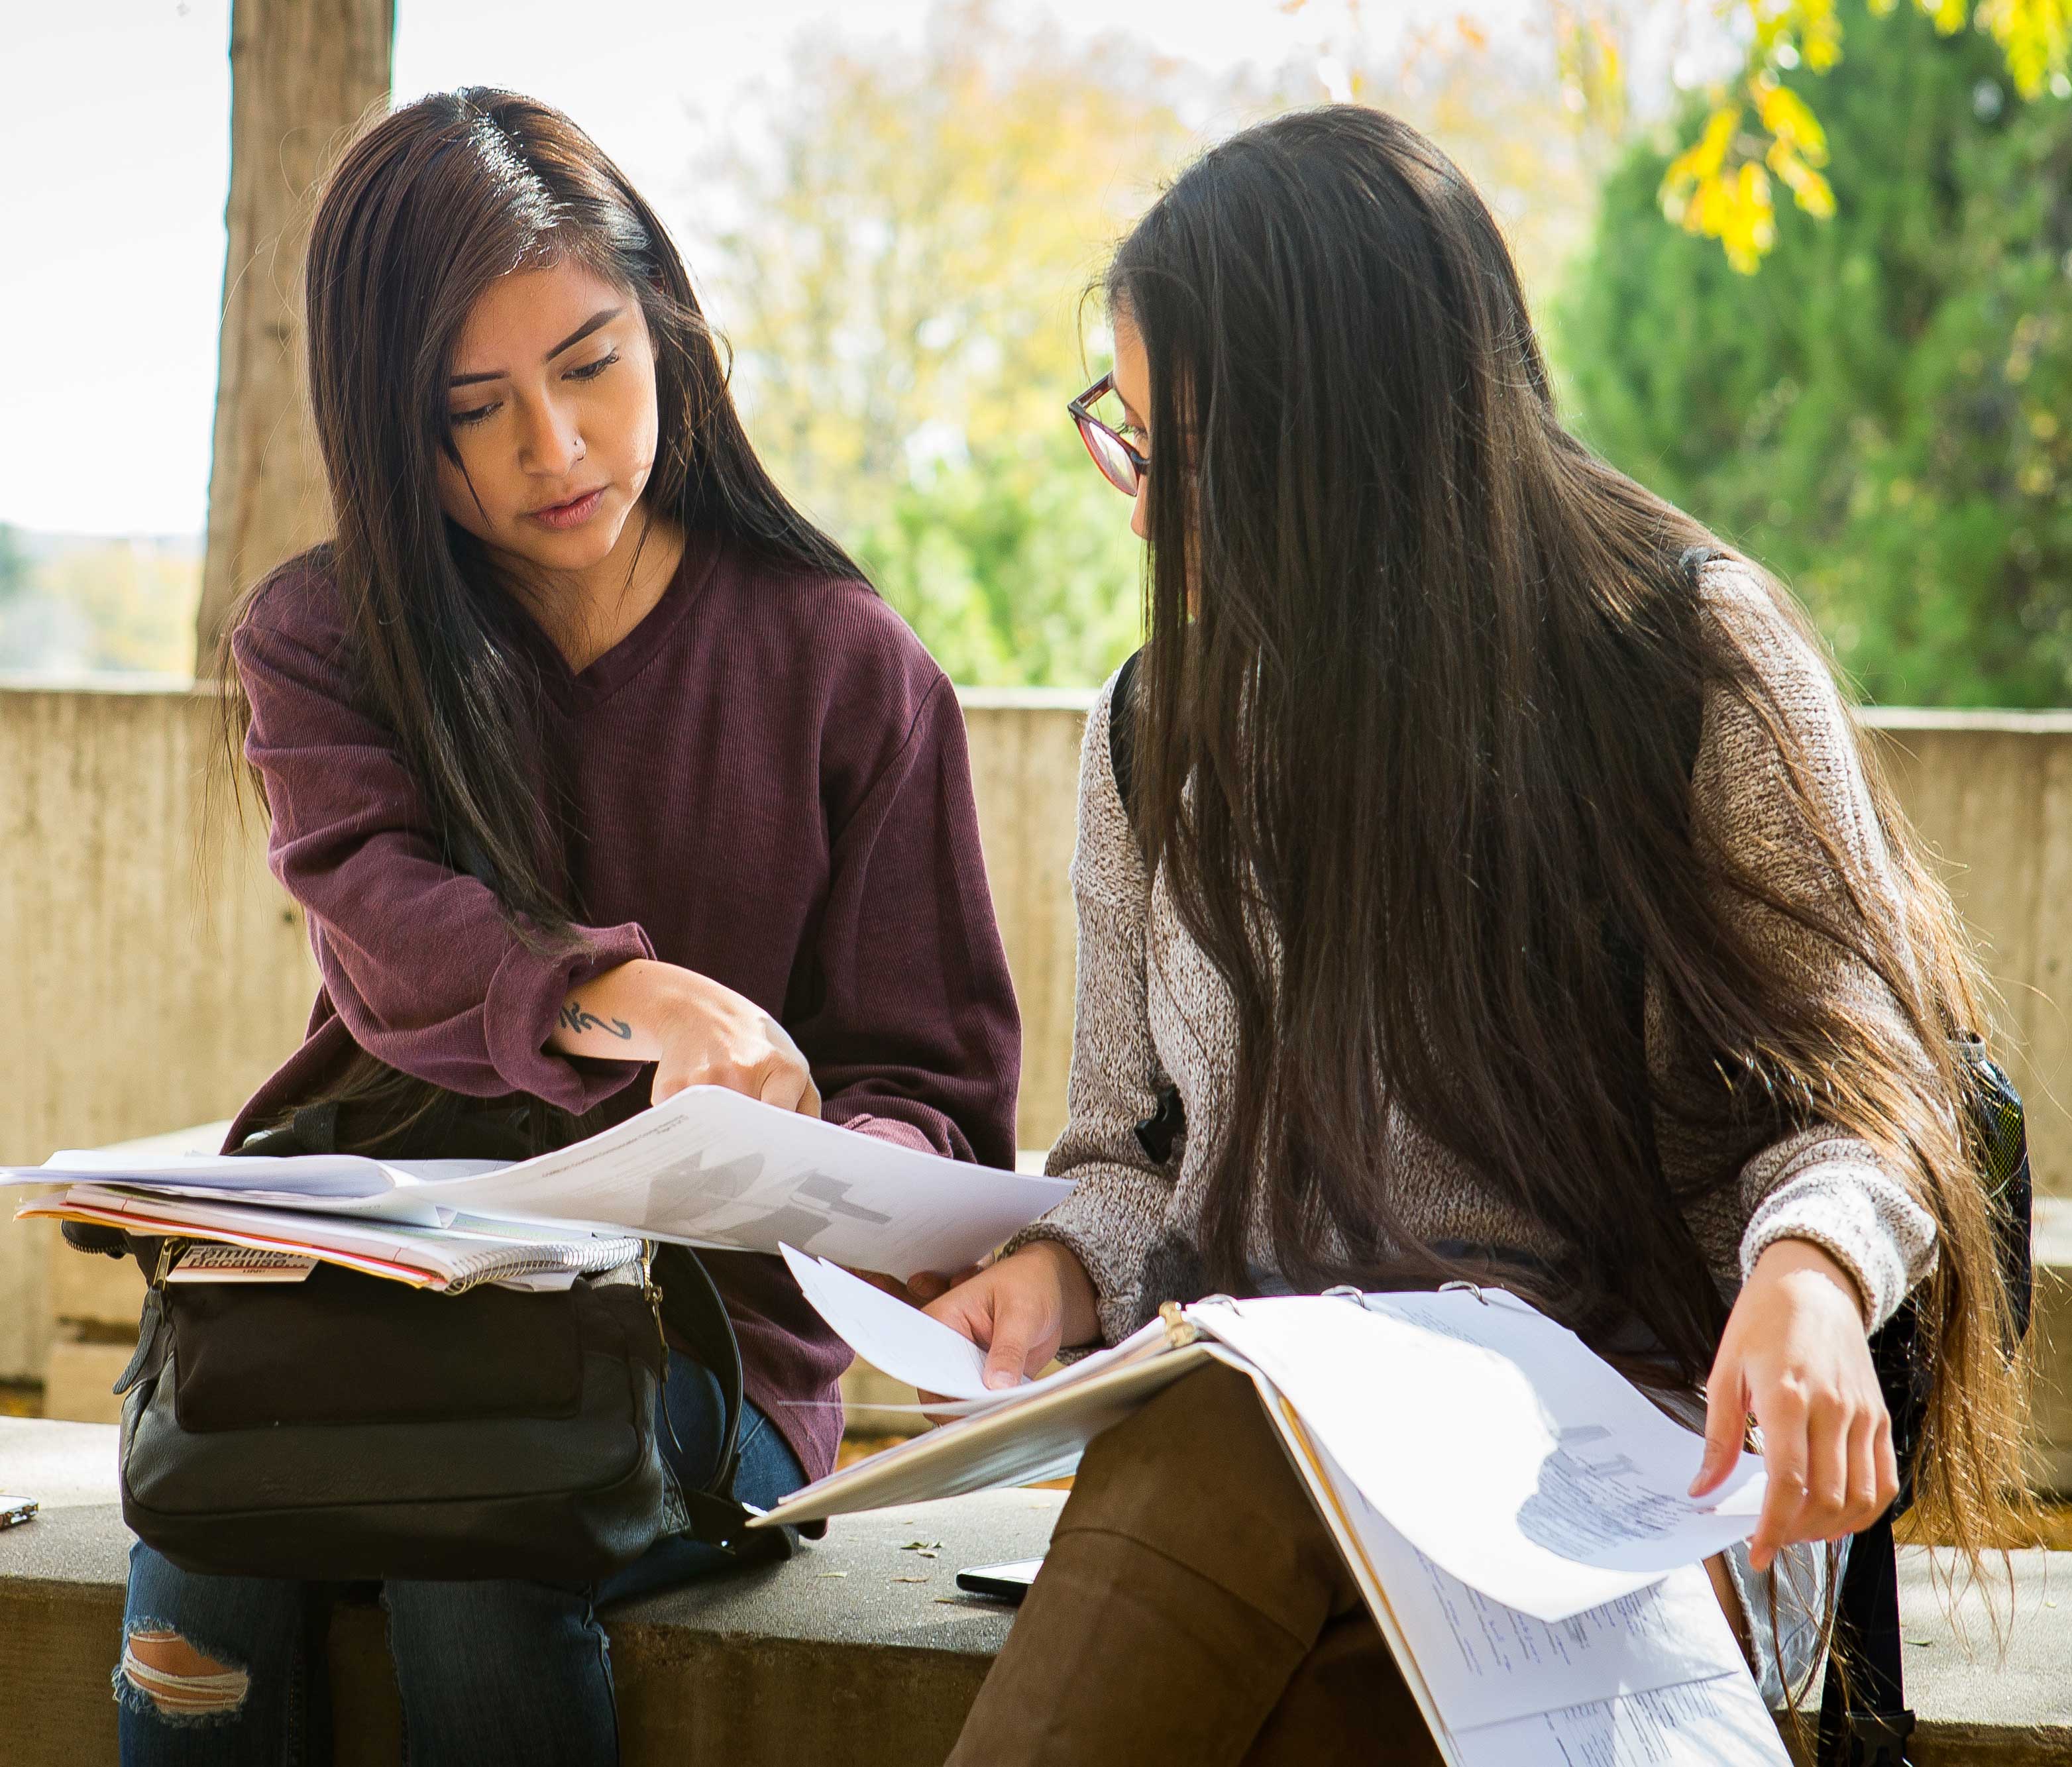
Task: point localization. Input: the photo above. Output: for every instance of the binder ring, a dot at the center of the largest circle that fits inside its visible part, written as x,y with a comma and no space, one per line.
1457,1286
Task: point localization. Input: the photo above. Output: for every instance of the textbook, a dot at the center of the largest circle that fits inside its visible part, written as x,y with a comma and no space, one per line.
1513,1511
707,1167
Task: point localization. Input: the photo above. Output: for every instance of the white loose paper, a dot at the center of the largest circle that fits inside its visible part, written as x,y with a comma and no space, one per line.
1495,1440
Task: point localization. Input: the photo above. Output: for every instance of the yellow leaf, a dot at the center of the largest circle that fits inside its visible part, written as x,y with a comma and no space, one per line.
2034,35
1703,158
1809,190
1785,114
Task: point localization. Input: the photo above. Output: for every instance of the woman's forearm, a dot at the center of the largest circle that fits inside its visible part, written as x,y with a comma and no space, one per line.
619,1016
696,1031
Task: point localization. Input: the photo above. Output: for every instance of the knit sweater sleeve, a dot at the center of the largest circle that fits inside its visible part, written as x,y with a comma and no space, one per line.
1119,1195
1820,1184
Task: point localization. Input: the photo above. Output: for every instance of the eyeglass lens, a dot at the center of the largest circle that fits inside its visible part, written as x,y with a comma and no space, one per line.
1108,455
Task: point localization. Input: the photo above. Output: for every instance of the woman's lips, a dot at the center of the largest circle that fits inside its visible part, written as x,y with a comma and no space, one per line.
570,515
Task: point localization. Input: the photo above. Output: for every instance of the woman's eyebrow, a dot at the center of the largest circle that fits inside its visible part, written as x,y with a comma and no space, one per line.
568,343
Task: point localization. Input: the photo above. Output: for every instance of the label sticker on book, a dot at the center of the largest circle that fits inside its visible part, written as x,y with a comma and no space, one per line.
239,1264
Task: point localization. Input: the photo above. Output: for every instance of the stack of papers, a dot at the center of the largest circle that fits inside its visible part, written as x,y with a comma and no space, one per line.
1514,1510
452,1258
707,1168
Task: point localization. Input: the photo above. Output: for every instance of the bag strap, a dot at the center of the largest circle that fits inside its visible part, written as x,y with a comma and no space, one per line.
1870,1726
691,1307
1122,734
1159,1132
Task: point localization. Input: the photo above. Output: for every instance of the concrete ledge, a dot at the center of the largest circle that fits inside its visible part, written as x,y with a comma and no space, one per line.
859,1651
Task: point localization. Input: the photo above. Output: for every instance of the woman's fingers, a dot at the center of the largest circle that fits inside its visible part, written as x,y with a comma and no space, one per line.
785,1082
1784,1459
1830,1430
1863,1505
1726,1425
1011,1310
1016,1327
927,1285
1887,1463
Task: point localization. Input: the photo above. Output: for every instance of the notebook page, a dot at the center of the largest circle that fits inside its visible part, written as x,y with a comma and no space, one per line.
1719,1722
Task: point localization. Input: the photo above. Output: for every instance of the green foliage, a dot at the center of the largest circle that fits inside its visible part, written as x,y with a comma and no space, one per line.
1884,414
1017,571
1721,185
901,282
74,603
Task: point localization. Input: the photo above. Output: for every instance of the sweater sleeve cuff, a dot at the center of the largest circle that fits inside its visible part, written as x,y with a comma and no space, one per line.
886,1129
1857,1213
1084,1224
518,1016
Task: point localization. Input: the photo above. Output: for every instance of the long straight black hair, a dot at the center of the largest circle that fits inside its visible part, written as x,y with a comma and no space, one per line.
427,208
1419,705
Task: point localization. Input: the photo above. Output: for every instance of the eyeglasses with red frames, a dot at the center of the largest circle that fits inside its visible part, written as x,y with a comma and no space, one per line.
1123,466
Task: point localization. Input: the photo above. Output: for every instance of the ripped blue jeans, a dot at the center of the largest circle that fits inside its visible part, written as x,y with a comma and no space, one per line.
511,1672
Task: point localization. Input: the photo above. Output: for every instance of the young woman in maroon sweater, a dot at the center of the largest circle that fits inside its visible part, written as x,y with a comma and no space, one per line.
599,773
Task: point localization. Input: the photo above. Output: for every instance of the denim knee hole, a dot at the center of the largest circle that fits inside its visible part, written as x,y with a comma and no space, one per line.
175,1680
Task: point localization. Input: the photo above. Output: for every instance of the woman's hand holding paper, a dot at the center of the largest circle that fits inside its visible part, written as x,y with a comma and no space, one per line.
1794,1355
1021,1310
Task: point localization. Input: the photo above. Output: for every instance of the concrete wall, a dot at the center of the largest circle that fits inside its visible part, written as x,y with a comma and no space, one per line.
154,977
158,974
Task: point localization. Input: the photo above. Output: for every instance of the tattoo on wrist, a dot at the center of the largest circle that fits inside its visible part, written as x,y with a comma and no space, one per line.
574,1018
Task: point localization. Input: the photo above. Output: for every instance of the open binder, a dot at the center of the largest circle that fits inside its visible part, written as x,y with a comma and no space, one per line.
1628,1659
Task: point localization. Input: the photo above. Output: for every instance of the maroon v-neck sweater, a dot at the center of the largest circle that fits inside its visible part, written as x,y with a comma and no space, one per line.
774,791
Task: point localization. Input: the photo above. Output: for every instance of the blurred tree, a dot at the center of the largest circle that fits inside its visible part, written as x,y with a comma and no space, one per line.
1885,414
898,243
901,282
134,602
1761,125
14,565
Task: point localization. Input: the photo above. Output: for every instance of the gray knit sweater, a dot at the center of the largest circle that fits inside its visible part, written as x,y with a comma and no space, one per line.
1152,1008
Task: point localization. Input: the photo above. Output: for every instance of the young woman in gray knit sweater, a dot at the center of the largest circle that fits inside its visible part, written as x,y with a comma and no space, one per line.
1504,894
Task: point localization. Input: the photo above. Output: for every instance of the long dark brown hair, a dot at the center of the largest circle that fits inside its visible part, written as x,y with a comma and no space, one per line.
426,207
1418,709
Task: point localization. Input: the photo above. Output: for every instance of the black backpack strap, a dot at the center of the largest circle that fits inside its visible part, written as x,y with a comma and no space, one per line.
1870,1727
1158,1132
693,1311
1122,734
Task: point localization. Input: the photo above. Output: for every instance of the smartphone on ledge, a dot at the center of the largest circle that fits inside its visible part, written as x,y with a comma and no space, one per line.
1007,1583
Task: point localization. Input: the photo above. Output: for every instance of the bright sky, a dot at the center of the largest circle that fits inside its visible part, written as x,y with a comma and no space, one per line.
114,117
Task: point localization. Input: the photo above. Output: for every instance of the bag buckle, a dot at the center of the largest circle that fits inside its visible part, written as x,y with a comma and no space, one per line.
1878,1739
